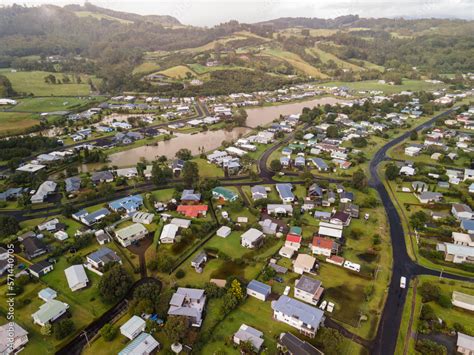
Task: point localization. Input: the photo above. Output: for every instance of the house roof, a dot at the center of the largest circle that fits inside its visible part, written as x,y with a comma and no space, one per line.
251,235
75,275
465,341
169,231
259,287
142,344
104,255
285,190
224,193
308,284
304,261
323,243
39,266
132,325
342,216
130,231
6,333
127,203
293,238
32,245
463,297
297,346
192,210
190,195
258,189
309,315
247,333
50,310
47,293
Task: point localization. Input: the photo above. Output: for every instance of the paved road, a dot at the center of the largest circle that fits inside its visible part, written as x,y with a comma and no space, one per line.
387,334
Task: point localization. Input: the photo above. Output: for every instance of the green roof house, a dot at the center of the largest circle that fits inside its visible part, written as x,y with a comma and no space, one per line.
224,194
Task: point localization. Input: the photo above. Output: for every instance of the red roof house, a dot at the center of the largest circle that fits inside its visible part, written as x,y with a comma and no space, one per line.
293,241
192,211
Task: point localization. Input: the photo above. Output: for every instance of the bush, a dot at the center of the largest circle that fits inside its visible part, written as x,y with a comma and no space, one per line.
63,328
429,292
180,274
426,346
108,332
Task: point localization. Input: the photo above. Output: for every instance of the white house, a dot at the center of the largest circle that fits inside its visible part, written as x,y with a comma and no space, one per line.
49,312
133,327
461,211
252,238
249,334
223,232
465,344
303,263
126,236
463,300
13,338
308,290
330,230
259,290
168,234
76,277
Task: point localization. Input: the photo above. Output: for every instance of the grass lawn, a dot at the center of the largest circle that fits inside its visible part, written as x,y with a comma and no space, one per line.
49,104
100,16
16,122
163,195
146,67
326,57
408,85
177,72
33,82
208,170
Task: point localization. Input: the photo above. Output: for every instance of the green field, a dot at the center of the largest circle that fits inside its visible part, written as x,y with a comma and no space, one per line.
16,122
49,104
408,85
146,67
326,57
99,16
177,72
33,82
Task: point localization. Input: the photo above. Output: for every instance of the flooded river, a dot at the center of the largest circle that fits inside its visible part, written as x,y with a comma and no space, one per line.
264,115
194,142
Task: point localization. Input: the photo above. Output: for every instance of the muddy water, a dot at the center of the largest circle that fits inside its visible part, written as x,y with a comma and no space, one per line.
265,115
208,140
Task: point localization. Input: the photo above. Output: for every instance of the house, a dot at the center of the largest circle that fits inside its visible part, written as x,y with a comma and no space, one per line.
465,344
463,239
303,263
168,234
249,334
351,209
4,262
290,344
192,211
143,217
221,193
463,300
92,218
223,232
51,226
253,238
177,166
419,186
323,246
346,197
144,344
73,184
307,319
181,222
12,193
31,168
285,162
76,277
320,164
428,197
40,268
189,303
47,294
33,247
127,172
286,195
293,241
412,151
190,197
315,192
457,254
341,218
49,312
468,174
279,209
13,338
300,162
268,226
102,176
133,327
330,230
103,256
127,204
467,225
308,290
45,189
199,260
258,192
471,188
407,171
259,290
61,235
128,235
287,252
461,211
102,237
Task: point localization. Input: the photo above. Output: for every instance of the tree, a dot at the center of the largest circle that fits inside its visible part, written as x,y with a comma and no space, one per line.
63,328
332,131
429,292
190,173
108,332
236,290
46,329
115,283
176,328
164,263
8,226
359,180
331,339
6,89
275,165
414,135
184,154
240,119
391,172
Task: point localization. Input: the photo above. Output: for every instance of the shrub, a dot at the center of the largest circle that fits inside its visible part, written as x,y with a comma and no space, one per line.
180,274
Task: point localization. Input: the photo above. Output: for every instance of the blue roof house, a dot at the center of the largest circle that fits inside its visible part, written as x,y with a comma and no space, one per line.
259,290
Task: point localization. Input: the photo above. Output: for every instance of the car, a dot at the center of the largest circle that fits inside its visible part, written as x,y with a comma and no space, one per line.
278,279
403,282
330,307
287,290
323,305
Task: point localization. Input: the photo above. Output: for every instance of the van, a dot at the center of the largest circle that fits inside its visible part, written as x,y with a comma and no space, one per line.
403,282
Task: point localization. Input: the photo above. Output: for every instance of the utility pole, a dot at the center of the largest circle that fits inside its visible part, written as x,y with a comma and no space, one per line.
87,338
441,273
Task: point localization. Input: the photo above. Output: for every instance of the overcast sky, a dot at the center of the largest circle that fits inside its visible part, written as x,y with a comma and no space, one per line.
209,13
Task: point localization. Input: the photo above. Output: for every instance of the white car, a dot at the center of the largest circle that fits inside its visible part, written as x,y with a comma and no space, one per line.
287,290
403,282
330,307
323,305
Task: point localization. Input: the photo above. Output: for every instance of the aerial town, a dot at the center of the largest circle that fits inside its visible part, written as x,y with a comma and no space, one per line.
245,189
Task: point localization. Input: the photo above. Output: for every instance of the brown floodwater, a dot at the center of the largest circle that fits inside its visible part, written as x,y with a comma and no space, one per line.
261,116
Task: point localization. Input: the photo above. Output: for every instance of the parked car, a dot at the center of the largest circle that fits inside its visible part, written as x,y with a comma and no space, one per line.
323,305
287,290
278,279
403,282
